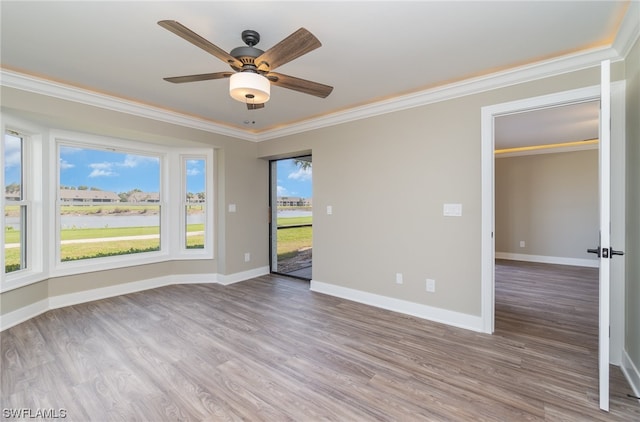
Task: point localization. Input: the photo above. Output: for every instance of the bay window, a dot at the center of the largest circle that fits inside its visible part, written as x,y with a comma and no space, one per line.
76,203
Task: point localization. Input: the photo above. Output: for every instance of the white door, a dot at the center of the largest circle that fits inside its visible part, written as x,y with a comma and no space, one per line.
604,250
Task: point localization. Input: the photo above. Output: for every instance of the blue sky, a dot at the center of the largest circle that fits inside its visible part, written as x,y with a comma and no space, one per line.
293,181
120,172
12,159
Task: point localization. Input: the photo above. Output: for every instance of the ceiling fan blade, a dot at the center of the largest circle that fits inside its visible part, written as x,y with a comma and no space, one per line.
195,39
251,106
294,46
300,85
201,77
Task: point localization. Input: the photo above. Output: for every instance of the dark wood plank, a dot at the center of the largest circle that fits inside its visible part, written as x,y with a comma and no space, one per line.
269,349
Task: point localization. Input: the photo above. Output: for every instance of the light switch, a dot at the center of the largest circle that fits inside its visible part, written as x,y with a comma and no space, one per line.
452,210
329,210
232,207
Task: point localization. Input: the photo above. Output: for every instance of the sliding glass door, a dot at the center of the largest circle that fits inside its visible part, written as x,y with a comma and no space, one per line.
291,225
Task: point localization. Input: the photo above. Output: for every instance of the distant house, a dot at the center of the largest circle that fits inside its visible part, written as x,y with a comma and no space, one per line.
88,196
12,196
292,201
144,197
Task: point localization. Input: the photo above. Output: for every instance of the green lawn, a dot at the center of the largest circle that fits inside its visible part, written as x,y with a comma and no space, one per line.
105,247
294,221
290,241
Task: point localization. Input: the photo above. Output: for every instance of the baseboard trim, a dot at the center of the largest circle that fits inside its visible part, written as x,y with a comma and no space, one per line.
456,319
71,299
25,313
576,262
631,372
226,280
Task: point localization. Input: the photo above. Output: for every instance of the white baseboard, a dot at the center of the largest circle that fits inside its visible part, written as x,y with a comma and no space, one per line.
70,299
576,262
225,280
18,316
23,314
456,319
631,372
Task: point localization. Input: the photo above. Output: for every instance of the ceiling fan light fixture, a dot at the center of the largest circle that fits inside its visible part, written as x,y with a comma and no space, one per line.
249,87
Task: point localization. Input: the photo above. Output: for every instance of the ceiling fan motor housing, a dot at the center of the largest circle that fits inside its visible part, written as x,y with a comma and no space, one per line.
247,54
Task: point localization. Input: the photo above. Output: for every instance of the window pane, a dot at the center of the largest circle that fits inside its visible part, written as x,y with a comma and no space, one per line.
195,208
109,203
13,168
15,210
14,238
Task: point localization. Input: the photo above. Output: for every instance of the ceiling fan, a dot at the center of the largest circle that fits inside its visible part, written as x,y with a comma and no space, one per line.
253,68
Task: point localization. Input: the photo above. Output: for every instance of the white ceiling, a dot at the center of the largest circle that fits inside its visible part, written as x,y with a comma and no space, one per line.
553,125
371,51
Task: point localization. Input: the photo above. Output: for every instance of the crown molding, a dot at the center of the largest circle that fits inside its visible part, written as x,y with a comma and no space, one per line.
629,31
554,150
463,88
502,79
24,82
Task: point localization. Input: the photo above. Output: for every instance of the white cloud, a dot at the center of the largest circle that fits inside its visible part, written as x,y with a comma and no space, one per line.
193,172
64,164
282,191
104,169
12,158
12,151
102,173
301,174
135,160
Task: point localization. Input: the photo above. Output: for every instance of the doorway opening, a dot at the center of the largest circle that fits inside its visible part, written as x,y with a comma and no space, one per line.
546,205
489,116
291,216
610,335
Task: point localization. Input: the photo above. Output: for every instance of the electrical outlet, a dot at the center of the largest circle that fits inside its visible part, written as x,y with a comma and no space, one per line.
247,257
399,278
431,285
522,243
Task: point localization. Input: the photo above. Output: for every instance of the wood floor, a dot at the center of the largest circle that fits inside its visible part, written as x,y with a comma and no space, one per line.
269,349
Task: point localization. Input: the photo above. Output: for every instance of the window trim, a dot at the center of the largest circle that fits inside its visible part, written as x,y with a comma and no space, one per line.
42,185
94,142
208,252
35,245
170,191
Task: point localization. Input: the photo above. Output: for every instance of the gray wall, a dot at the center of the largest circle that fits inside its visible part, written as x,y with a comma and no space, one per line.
632,292
548,200
387,179
240,178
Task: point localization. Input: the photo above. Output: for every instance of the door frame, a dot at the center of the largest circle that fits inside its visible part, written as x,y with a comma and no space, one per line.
273,211
488,115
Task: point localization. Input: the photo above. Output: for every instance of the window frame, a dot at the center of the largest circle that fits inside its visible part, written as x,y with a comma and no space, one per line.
93,142
41,169
32,199
206,155
170,193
